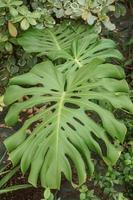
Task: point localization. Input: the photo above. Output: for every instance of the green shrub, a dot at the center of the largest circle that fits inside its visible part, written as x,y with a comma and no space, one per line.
19,14
86,194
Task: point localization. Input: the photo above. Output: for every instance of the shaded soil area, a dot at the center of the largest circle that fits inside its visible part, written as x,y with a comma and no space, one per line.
25,194
66,193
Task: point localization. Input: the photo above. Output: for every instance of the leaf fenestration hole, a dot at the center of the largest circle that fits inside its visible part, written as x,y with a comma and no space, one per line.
52,103
93,115
53,90
62,128
79,121
74,178
65,86
71,105
75,97
71,126
101,144
48,134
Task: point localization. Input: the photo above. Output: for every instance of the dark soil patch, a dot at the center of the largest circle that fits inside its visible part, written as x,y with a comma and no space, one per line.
67,192
25,194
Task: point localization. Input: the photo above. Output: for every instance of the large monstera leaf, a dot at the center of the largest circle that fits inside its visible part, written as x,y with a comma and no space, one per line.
64,132
78,46
49,41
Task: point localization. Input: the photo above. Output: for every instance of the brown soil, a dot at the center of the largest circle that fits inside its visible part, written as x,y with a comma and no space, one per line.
66,192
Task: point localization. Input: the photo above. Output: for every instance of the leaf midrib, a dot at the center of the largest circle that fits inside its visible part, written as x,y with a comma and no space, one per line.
55,40
59,111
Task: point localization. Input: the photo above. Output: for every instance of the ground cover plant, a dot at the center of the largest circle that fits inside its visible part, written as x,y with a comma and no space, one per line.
65,106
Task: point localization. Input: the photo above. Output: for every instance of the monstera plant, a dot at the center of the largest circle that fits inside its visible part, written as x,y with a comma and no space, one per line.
70,125
77,44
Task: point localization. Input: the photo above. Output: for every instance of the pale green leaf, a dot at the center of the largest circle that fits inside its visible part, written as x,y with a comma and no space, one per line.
24,24
91,18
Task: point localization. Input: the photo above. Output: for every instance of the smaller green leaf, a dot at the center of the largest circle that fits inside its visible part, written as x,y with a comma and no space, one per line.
32,21
8,47
109,2
17,19
6,178
15,187
35,14
120,10
24,24
82,2
83,196
59,13
23,10
1,103
91,19
4,172
2,168
17,3
13,11
111,8
47,193
107,23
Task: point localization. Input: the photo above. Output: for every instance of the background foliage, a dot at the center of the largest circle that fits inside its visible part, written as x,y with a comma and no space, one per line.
17,16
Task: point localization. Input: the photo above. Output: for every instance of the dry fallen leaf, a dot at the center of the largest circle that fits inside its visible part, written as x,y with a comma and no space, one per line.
12,29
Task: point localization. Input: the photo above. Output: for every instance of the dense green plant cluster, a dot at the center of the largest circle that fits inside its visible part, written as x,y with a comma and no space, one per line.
17,16
111,184
119,179
93,12
86,194
116,183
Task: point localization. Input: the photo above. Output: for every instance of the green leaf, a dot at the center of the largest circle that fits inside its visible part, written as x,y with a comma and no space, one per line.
23,10
51,40
82,2
65,132
17,19
8,176
91,19
120,10
24,24
82,196
16,3
107,23
13,11
77,47
32,21
14,188
1,103
47,193
8,46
